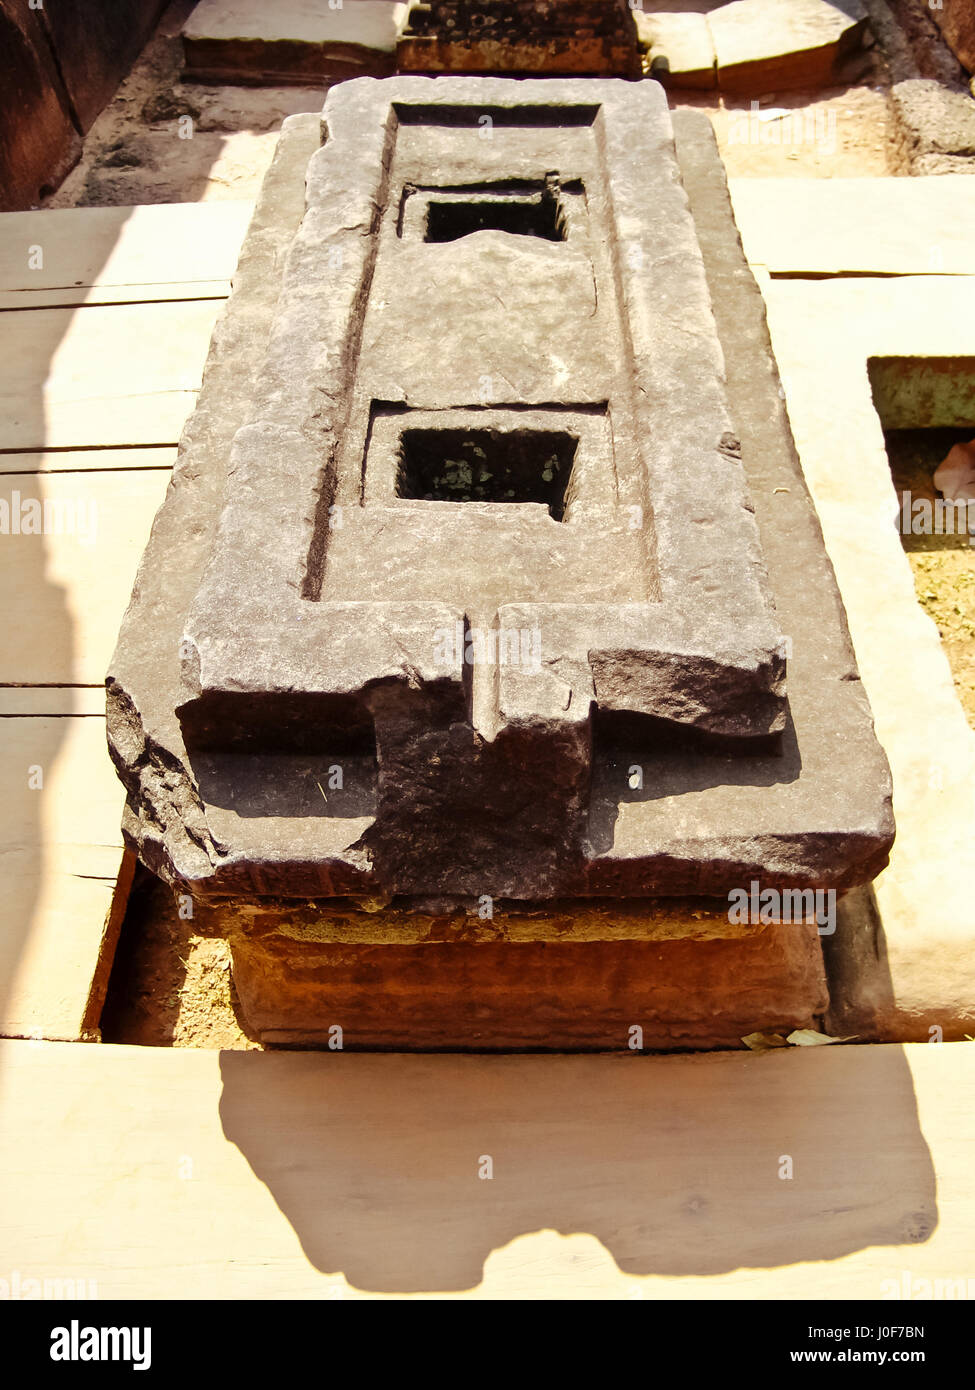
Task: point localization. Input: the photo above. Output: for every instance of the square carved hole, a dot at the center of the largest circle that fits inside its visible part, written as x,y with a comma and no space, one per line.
451,219
487,465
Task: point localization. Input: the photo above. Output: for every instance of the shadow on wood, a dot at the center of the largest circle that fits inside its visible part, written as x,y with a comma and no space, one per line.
673,1164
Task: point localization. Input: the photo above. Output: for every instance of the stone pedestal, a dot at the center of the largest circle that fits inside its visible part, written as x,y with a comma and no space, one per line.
488,583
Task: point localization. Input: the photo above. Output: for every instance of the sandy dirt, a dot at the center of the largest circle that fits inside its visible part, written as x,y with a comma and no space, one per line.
839,133
169,986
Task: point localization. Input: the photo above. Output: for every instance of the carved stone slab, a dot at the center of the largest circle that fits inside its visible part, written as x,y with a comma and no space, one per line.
460,588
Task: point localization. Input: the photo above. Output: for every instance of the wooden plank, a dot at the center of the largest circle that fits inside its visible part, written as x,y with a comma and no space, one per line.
892,226
88,460
78,803
113,294
257,1175
65,591
61,850
824,334
102,375
104,255
52,702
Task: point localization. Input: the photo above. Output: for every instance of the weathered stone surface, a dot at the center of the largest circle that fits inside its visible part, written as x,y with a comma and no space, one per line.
592,37
765,45
935,126
904,977
680,47
291,41
236,693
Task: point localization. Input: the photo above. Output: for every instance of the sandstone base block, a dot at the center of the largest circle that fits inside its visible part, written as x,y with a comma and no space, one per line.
544,982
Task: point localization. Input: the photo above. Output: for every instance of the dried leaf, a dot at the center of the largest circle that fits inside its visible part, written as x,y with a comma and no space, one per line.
808,1037
764,1042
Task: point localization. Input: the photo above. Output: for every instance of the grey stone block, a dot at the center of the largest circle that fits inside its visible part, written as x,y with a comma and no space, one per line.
469,532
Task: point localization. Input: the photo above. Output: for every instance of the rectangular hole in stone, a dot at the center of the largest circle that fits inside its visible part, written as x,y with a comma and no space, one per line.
474,115
539,217
487,465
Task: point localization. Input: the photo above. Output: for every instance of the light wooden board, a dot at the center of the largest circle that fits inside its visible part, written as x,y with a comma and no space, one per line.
115,294
107,255
823,335
103,375
162,1173
60,850
65,594
88,460
32,702
896,226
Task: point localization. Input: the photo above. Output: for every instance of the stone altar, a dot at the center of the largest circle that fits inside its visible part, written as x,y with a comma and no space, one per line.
486,641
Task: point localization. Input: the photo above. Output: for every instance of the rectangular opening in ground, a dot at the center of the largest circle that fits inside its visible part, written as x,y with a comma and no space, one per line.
487,465
926,407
